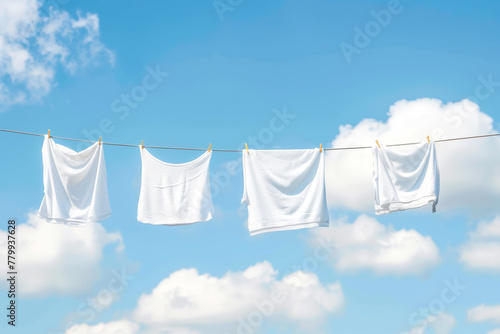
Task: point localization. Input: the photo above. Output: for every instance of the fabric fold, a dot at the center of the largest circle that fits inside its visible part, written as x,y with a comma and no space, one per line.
174,194
284,189
75,184
405,177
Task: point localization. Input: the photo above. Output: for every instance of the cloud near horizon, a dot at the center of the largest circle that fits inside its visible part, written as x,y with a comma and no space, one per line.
482,250
442,323
57,259
367,244
484,313
187,302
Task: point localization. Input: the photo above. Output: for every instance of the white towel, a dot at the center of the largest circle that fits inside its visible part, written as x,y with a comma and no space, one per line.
284,189
405,177
174,194
75,184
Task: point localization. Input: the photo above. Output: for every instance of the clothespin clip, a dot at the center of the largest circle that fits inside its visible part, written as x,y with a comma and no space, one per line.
321,147
49,133
209,147
428,140
99,141
142,144
247,148
377,143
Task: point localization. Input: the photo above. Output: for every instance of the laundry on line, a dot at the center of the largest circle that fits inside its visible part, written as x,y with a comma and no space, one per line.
237,150
283,189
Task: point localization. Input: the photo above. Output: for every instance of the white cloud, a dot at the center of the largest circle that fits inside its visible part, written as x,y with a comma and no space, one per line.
170,330
482,251
188,299
33,45
486,230
470,173
442,323
484,313
114,327
494,331
416,330
188,302
125,326
367,244
57,259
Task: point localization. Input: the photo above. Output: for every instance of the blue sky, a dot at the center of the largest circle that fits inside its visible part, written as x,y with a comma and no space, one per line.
222,77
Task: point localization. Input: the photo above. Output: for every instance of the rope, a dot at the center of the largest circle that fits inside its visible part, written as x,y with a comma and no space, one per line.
404,144
228,150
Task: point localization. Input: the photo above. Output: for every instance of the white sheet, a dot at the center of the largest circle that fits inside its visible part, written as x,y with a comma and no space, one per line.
284,189
405,177
174,194
75,184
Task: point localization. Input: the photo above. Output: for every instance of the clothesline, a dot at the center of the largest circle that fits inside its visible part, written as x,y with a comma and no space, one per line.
232,150
283,189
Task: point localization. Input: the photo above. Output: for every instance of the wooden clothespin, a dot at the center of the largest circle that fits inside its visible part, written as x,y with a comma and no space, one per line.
49,133
142,144
247,148
377,143
428,140
209,147
99,141
321,147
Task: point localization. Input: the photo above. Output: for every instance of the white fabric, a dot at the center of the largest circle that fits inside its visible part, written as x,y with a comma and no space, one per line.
75,184
284,189
405,177
174,194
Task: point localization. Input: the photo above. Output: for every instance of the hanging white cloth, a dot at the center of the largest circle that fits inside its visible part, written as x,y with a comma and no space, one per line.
284,189
75,184
405,177
174,194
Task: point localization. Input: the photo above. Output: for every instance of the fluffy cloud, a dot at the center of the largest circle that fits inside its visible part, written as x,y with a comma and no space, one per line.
484,313
482,251
170,330
470,173
124,327
35,41
188,302
495,331
114,327
57,259
367,244
441,323
187,297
